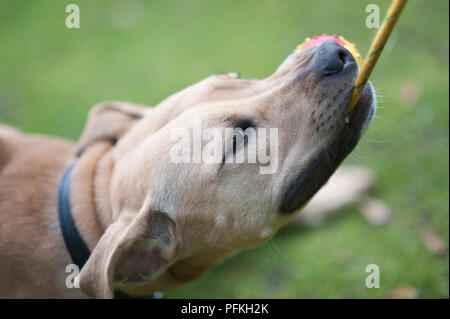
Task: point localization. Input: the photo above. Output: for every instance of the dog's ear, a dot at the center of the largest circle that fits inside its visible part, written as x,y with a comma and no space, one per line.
108,121
131,250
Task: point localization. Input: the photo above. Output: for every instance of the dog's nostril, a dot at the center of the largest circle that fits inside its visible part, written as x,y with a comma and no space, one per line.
343,56
333,66
331,58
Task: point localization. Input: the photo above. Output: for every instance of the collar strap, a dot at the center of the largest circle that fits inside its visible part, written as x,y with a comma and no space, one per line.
78,250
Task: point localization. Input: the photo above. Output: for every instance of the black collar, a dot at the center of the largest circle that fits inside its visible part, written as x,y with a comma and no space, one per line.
77,248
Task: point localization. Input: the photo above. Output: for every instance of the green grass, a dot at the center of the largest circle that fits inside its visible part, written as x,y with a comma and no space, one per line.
143,51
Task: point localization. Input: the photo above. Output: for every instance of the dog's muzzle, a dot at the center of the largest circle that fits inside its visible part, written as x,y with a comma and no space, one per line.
330,60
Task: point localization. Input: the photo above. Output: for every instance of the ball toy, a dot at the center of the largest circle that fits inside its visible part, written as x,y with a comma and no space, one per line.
318,40
378,43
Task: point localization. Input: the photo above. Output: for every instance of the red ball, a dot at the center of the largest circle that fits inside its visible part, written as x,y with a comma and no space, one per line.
319,39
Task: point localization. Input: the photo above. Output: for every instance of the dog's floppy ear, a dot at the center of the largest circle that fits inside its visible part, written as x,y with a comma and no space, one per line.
109,121
131,250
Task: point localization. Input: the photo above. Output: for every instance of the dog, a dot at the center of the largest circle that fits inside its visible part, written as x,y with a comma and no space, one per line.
150,224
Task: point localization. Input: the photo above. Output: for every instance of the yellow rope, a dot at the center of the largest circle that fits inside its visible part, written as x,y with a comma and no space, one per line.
375,50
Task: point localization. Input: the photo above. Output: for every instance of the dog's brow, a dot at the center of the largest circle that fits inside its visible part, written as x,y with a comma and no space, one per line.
244,123
239,122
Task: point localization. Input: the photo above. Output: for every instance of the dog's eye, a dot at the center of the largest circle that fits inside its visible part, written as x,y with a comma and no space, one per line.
239,139
244,124
240,133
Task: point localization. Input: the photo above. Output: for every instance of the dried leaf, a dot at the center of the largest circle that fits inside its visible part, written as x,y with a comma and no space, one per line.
410,93
403,292
433,242
376,211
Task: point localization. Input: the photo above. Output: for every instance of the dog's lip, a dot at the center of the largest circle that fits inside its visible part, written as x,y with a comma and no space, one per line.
319,170
360,114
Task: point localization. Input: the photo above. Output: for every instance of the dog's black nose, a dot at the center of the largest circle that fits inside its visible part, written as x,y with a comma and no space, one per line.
331,58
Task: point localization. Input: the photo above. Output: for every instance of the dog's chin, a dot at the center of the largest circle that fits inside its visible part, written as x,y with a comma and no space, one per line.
319,170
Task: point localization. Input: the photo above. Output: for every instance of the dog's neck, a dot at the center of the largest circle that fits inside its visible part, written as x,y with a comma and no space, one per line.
89,194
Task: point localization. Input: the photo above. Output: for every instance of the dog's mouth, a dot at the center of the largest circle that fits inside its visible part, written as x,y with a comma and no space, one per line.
319,170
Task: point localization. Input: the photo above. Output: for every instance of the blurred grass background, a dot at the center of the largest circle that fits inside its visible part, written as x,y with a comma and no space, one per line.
142,51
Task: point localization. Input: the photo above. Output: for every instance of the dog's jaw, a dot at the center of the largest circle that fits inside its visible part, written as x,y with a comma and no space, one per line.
329,156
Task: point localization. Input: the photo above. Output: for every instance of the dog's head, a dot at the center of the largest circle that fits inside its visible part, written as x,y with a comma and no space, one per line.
185,193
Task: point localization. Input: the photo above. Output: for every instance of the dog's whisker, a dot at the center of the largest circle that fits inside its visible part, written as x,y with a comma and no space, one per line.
380,118
275,247
376,141
358,154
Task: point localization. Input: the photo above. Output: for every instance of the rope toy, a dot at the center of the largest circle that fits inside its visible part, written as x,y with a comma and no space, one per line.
366,66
